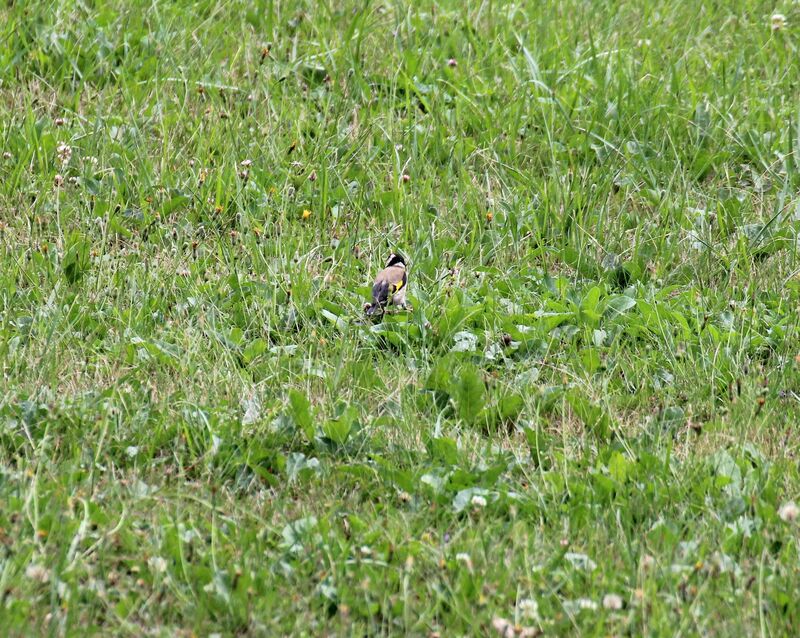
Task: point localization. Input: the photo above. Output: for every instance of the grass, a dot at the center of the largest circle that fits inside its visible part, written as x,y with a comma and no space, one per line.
586,424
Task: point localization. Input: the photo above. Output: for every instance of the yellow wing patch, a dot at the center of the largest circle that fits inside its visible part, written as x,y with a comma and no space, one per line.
397,286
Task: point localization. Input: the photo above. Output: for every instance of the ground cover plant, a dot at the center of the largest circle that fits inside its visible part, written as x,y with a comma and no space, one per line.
586,424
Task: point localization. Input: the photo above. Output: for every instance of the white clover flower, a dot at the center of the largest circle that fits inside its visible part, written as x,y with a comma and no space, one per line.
778,21
580,604
157,564
612,601
64,153
478,501
529,608
465,558
789,512
504,627
37,572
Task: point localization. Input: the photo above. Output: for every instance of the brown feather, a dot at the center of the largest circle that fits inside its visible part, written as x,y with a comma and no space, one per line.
389,281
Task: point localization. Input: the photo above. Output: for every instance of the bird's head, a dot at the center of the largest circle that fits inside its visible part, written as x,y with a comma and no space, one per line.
395,259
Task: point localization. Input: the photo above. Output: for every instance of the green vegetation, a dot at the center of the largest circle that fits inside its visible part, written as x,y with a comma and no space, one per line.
585,425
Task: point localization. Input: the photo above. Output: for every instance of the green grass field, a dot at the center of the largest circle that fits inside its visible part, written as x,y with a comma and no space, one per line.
586,424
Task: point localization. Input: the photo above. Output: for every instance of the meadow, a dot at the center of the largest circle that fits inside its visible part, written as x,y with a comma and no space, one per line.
585,425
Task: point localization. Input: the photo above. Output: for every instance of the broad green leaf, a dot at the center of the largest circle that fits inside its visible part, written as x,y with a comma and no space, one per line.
339,322
254,349
465,341
300,411
173,204
76,260
618,304
590,306
470,394
510,406
591,299
444,449
298,466
338,430
435,481
550,320
440,377
591,360
619,467
296,533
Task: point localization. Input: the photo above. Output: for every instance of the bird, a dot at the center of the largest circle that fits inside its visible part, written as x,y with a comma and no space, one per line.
389,286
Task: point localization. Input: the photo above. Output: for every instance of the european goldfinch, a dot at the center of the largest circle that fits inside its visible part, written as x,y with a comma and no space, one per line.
389,286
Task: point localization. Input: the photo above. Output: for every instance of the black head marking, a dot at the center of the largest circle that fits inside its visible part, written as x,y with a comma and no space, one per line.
394,259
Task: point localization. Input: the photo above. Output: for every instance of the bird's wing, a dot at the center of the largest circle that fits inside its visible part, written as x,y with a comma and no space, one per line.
380,292
388,282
